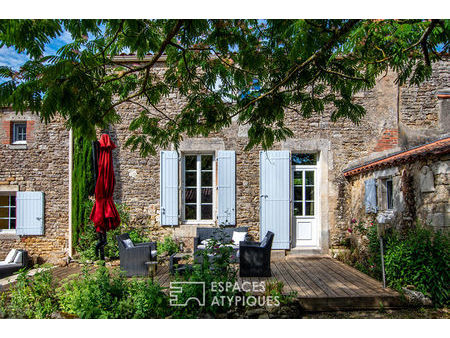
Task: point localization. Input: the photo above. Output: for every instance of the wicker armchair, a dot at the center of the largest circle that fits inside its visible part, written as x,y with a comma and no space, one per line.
20,260
254,257
134,256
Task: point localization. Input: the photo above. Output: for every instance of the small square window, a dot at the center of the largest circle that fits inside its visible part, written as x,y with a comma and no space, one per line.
7,212
19,133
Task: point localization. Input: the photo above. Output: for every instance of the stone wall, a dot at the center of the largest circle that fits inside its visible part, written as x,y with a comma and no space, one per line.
421,192
41,165
138,179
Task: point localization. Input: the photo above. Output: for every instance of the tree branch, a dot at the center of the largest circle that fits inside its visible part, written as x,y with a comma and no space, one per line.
344,30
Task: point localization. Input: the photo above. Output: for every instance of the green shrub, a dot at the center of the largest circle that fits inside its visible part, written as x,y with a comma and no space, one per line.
30,297
218,270
105,294
420,259
167,246
95,295
148,300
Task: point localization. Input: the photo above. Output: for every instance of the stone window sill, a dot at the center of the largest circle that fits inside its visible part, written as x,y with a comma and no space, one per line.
8,234
17,146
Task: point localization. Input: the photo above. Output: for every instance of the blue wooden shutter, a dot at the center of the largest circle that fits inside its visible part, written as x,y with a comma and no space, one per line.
226,168
370,196
169,187
275,196
29,213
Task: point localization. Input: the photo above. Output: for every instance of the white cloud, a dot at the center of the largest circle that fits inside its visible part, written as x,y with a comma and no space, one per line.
9,57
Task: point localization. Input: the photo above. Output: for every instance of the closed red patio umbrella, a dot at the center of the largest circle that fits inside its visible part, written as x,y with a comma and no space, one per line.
104,213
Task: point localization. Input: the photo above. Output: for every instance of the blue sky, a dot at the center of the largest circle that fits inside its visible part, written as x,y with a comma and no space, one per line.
9,57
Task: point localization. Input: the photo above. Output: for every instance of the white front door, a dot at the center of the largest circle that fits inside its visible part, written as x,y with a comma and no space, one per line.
305,203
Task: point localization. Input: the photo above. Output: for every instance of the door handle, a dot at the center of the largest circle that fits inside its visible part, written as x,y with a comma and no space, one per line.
265,196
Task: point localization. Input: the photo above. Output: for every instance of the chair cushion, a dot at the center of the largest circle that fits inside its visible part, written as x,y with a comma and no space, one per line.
238,236
154,253
11,255
128,243
19,257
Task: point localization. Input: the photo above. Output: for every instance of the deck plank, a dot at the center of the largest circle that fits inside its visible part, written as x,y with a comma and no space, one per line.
309,279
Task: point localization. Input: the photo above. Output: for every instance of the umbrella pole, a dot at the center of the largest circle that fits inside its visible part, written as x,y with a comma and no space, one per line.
100,247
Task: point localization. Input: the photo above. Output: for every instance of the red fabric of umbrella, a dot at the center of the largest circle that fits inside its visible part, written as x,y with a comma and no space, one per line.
104,213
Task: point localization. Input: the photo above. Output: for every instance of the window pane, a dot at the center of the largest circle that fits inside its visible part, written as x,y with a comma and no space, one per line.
13,200
298,178
298,209
207,179
390,204
309,177
3,224
206,211
206,162
191,179
309,209
4,212
12,224
309,193
4,200
13,212
304,159
298,194
191,212
191,162
206,195
190,195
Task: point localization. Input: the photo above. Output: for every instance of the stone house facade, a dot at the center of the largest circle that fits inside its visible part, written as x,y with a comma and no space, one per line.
298,189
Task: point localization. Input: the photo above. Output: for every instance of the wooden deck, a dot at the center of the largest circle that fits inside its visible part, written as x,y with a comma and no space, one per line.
321,283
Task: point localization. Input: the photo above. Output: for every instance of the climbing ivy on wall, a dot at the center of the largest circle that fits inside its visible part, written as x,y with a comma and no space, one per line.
83,184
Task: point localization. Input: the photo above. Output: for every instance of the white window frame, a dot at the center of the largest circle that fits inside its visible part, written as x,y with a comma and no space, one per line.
198,199
302,168
15,133
9,218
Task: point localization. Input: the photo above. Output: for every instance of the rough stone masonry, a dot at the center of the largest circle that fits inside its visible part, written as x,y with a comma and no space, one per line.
396,117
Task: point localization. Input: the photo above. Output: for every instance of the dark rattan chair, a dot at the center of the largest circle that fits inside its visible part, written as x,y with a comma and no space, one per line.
134,256
7,269
254,257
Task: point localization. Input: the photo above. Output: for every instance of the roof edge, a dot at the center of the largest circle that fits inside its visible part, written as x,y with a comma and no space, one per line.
440,146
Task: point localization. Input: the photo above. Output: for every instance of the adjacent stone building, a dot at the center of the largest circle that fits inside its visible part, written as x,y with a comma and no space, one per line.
298,189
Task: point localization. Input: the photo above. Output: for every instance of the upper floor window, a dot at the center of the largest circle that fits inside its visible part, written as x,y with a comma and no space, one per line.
19,133
7,212
198,187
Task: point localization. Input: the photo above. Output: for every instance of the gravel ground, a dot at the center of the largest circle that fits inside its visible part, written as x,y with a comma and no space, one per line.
417,313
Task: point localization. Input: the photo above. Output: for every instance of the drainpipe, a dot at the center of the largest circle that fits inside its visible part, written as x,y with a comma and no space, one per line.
70,190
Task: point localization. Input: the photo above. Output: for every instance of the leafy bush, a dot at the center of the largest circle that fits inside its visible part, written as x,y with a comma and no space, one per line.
88,238
105,294
218,270
167,246
421,259
30,297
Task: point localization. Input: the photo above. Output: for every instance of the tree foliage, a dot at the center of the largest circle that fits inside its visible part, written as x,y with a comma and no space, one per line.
249,70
